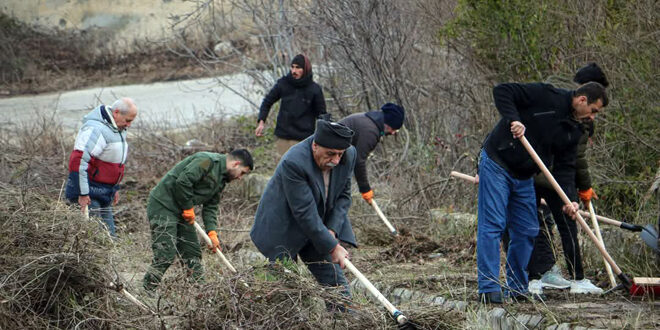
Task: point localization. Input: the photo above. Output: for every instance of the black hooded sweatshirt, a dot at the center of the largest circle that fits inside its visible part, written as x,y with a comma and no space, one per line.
302,102
547,114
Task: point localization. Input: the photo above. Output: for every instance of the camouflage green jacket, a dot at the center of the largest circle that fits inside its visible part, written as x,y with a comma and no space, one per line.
197,180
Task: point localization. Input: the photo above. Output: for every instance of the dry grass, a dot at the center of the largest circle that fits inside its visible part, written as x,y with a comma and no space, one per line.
55,267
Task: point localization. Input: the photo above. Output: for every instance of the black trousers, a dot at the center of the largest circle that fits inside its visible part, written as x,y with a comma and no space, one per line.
543,258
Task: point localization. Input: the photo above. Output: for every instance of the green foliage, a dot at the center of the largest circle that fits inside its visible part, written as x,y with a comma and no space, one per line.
521,40
514,36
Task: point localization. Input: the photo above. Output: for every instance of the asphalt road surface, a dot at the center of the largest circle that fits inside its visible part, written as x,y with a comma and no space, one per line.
173,104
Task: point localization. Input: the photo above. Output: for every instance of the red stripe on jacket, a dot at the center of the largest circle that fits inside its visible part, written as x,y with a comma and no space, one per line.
97,170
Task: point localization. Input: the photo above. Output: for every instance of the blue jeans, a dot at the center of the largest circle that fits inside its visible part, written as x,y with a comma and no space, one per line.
103,211
504,203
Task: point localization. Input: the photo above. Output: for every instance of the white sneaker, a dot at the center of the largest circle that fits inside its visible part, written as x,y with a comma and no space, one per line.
535,287
585,286
553,279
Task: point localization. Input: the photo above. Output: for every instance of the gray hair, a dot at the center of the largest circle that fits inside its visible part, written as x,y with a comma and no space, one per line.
123,104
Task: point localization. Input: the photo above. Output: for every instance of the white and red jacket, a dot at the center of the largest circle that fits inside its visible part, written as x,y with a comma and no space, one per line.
100,150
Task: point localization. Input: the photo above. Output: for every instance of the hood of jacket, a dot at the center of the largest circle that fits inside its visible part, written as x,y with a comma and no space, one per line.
379,119
103,115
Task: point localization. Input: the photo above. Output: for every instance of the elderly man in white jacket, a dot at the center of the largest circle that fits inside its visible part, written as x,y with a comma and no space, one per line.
96,164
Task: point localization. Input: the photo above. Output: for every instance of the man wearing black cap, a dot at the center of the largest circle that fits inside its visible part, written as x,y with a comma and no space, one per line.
302,102
304,208
369,127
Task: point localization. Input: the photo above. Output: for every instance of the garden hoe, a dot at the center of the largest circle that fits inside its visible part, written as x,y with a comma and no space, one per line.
401,320
625,280
120,287
207,239
382,217
648,233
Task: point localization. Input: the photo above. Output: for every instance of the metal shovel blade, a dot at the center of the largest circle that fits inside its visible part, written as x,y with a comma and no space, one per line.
650,237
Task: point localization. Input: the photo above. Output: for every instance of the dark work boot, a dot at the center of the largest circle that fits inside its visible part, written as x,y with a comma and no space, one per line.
491,297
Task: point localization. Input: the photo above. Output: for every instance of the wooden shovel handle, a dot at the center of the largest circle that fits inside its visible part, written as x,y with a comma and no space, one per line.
382,217
400,318
594,223
463,176
567,201
207,239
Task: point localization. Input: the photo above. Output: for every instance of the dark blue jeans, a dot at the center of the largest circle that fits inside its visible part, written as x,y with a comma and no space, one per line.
103,211
321,266
504,202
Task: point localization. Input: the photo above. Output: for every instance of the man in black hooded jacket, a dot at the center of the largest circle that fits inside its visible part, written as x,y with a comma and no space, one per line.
302,102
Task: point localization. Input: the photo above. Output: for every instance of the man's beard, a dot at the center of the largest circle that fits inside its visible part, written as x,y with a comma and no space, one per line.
330,165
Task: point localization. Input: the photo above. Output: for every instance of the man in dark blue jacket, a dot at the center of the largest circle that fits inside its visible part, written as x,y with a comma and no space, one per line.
302,102
550,119
304,208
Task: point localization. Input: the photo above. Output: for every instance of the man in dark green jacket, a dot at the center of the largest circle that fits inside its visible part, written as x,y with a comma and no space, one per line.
197,180
543,271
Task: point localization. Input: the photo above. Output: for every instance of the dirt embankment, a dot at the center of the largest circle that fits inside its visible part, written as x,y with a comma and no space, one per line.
38,60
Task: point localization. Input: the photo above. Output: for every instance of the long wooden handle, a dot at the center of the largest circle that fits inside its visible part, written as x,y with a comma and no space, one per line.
603,219
400,318
207,239
567,201
594,222
123,291
463,176
382,217
131,297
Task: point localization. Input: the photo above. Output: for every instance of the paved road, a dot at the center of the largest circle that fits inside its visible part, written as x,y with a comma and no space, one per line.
166,103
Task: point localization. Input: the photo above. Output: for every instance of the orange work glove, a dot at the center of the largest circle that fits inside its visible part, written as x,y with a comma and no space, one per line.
586,195
368,196
214,239
189,215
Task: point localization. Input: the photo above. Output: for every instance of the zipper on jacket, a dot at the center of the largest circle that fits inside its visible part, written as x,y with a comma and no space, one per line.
543,113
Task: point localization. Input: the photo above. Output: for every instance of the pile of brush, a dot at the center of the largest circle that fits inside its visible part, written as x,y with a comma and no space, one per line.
55,267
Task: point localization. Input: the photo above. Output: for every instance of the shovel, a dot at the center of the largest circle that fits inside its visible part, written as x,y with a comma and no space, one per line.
382,217
648,233
626,281
400,319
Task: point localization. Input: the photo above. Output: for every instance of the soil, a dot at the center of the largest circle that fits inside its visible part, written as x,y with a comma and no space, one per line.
39,61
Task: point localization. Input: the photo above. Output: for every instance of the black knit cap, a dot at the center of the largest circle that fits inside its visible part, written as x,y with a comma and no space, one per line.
303,62
393,115
591,72
332,135
299,60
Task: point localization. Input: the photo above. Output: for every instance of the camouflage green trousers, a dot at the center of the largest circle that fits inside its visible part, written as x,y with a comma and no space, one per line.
171,237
